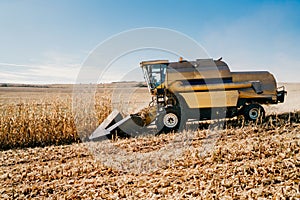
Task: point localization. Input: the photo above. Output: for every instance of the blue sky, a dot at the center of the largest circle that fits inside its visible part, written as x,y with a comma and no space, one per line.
47,41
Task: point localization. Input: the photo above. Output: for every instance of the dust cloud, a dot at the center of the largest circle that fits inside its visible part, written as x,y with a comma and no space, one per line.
292,100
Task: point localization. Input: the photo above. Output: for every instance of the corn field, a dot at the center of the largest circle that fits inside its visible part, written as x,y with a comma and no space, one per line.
248,161
48,121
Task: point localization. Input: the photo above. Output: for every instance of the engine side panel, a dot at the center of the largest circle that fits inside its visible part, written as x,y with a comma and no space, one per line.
267,80
211,99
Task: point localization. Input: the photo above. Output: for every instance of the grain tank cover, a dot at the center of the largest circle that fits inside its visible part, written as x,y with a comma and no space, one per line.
199,69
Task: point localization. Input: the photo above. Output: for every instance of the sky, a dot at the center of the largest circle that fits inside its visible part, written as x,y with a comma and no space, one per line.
49,41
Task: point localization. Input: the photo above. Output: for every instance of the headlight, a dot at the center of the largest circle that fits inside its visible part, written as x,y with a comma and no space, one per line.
160,99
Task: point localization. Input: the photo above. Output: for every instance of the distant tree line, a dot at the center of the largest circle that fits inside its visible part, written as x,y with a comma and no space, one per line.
22,85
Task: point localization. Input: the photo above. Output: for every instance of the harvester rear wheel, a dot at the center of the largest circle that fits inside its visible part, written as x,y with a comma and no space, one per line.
254,112
168,121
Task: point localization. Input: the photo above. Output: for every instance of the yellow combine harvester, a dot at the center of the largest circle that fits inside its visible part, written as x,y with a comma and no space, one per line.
200,90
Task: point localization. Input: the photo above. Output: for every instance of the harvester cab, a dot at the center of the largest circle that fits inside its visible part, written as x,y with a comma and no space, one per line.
155,74
203,89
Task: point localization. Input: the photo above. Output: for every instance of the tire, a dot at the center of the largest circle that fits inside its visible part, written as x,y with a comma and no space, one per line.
253,112
168,121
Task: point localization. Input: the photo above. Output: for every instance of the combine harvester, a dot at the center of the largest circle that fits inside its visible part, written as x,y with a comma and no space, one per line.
204,89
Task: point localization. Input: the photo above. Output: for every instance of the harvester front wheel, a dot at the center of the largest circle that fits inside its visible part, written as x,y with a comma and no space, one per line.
254,112
168,121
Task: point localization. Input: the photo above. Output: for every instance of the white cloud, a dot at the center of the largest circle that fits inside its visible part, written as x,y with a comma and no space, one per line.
54,68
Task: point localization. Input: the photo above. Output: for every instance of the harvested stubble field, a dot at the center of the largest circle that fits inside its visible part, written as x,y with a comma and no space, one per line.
246,162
